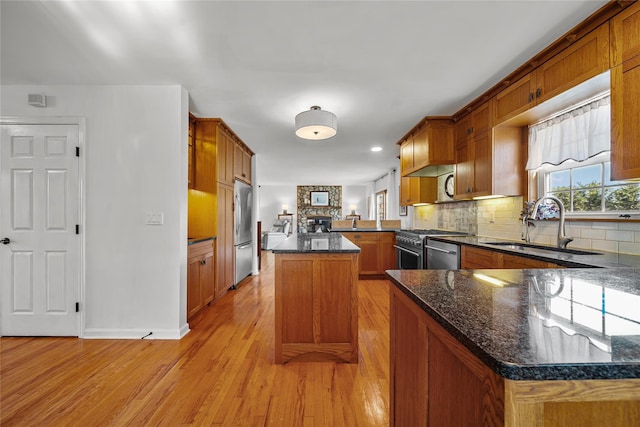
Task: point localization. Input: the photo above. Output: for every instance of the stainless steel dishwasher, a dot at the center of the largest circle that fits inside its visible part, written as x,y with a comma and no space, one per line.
442,255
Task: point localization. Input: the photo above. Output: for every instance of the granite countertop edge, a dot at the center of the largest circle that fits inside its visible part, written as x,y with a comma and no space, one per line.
200,239
520,372
297,244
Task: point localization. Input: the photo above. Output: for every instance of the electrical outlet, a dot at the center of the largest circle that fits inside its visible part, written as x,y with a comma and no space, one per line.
154,218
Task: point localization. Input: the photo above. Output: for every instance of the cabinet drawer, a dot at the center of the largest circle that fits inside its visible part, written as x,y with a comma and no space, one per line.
479,258
200,249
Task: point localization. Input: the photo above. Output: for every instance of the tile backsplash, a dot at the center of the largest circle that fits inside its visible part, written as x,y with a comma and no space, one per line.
500,218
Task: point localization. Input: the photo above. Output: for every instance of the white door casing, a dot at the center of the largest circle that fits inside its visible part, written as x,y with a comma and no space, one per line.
39,212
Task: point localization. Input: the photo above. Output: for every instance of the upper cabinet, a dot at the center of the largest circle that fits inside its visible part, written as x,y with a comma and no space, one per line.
584,59
489,161
242,163
473,154
625,92
418,189
429,143
625,35
192,152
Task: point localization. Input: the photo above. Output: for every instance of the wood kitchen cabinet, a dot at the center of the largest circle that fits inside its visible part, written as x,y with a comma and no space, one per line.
225,151
435,380
200,276
192,152
489,162
417,189
377,252
316,307
225,271
430,142
477,258
625,92
584,59
242,163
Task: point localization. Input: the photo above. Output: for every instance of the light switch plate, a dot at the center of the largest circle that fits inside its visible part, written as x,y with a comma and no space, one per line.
154,218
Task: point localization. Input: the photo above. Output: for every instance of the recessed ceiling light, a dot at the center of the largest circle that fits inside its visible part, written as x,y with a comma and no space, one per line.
376,148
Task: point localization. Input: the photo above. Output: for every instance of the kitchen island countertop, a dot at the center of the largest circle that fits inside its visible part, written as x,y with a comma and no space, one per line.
316,243
545,324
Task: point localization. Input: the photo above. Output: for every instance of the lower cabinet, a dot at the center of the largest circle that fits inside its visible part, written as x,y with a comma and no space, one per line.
200,276
483,258
377,252
435,380
316,307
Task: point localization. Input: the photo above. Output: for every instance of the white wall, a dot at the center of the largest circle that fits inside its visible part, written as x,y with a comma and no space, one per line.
136,162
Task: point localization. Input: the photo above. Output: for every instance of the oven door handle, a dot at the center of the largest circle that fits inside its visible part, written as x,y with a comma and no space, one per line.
406,250
441,250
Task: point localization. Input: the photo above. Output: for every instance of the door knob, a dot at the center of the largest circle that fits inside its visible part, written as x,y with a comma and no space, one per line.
5,241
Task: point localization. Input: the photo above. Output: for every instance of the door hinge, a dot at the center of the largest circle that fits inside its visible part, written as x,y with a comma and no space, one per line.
77,307
77,228
77,151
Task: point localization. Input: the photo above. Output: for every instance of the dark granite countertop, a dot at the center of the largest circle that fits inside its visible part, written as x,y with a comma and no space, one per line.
601,259
542,324
314,243
192,240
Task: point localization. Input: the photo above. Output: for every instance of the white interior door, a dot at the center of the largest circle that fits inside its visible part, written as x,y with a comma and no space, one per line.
40,250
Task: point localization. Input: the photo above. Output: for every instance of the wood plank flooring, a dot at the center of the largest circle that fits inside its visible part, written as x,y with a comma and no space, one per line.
221,374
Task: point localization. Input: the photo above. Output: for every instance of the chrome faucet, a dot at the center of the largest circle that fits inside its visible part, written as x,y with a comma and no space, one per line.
563,240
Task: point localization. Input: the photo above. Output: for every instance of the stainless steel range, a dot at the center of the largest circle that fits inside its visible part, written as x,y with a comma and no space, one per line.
411,246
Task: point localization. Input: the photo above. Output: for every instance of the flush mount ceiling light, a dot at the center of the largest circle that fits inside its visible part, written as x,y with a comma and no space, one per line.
316,124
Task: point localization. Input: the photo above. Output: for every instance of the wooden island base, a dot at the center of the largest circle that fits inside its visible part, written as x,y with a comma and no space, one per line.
316,307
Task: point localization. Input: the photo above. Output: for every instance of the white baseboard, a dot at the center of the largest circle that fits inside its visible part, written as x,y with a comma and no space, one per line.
136,334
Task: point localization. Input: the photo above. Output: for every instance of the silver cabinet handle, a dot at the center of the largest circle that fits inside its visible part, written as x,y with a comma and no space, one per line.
441,250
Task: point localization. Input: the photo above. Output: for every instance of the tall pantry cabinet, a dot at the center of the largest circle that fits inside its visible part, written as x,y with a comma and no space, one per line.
211,172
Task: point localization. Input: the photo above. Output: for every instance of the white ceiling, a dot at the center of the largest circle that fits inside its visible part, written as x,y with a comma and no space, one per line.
380,66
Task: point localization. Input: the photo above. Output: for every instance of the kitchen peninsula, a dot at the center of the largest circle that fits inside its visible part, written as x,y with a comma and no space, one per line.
515,347
316,298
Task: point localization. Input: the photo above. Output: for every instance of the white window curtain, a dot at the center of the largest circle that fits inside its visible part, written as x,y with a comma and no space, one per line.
578,135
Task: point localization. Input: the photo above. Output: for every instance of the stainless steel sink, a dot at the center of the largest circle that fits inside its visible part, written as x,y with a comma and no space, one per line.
524,246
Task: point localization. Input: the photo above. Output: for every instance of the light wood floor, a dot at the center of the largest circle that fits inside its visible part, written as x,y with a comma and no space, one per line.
221,374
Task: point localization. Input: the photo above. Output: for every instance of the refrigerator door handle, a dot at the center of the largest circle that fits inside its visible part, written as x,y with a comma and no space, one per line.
245,246
238,213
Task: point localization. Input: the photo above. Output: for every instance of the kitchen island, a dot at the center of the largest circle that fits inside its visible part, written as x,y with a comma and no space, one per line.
316,298
547,347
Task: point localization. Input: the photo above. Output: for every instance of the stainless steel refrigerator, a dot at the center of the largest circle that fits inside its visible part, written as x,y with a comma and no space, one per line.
242,235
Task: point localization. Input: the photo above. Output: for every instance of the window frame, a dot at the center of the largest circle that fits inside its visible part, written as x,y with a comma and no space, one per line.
543,183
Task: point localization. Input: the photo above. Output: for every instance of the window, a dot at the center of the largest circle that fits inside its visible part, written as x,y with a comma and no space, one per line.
381,203
586,187
571,154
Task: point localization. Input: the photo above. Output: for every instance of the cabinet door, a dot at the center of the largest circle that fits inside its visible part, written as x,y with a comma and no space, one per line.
242,164
514,261
388,252
207,278
516,99
625,126
408,356
368,258
586,58
625,35
246,167
205,157
482,164
405,191
406,156
464,173
225,147
194,300
224,241
191,155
